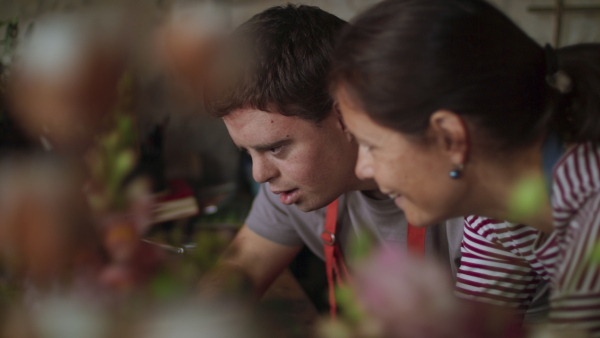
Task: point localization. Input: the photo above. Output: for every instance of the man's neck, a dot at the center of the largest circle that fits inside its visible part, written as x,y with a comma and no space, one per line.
370,189
375,194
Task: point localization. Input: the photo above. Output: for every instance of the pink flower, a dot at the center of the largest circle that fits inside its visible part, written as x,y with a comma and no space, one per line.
410,296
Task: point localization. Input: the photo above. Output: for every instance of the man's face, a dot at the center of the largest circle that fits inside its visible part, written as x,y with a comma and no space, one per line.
305,163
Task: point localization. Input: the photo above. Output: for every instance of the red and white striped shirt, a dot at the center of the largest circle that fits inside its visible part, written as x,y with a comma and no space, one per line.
498,265
503,262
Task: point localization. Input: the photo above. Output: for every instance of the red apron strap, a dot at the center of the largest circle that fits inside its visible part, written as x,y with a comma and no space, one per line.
331,217
330,246
334,262
416,240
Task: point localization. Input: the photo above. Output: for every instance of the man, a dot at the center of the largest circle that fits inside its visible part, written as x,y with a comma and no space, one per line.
271,91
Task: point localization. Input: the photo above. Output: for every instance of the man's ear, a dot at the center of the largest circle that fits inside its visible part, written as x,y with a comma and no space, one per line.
340,122
338,115
449,131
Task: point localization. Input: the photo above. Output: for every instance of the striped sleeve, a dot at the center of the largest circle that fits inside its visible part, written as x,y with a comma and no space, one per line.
575,302
492,269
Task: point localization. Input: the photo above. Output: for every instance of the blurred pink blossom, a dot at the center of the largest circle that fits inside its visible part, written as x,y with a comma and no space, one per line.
410,296
413,297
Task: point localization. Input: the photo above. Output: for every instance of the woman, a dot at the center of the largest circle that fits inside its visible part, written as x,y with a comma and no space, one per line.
458,112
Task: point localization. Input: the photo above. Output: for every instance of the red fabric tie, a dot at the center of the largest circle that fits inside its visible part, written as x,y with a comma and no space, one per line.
416,240
334,262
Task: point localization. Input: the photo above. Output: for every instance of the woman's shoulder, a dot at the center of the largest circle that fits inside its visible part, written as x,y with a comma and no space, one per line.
576,178
483,223
505,233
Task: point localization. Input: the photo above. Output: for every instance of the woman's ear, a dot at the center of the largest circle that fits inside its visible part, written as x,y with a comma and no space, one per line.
451,135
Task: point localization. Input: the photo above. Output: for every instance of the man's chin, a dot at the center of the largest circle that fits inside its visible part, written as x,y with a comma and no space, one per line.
304,207
307,206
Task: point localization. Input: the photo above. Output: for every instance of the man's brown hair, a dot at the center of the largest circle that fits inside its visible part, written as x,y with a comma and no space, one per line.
278,62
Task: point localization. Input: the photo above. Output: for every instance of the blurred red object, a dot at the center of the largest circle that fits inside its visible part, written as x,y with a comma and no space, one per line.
132,262
188,40
65,81
45,229
176,203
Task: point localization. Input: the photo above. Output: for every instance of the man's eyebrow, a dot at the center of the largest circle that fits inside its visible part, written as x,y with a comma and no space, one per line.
269,146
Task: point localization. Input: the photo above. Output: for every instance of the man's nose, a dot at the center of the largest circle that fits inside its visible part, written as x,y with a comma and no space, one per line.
263,170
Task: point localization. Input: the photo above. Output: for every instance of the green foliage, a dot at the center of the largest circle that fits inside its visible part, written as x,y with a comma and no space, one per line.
352,315
209,246
114,161
360,246
10,292
351,310
115,158
8,45
166,286
595,255
527,198
337,329
9,42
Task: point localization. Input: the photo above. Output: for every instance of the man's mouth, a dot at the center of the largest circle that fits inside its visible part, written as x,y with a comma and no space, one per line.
394,196
390,193
398,199
288,197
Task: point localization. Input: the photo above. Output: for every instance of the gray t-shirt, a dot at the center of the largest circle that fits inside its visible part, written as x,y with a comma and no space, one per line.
357,213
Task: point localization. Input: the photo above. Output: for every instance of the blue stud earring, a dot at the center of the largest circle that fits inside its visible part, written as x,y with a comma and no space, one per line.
456,173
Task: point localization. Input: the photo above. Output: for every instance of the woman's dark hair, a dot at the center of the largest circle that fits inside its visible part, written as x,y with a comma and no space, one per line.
405,59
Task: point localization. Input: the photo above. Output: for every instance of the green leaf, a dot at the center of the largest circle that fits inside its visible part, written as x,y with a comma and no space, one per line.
527,198
348,304
595,255
124,163
360,246
337,329
165,286
125,130
110,142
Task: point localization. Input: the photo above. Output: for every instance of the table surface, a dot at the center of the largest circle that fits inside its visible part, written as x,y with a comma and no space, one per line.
296,314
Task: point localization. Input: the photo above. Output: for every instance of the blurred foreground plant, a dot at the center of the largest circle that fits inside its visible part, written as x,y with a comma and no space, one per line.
63,79
12,138
72,259
527,198
395,294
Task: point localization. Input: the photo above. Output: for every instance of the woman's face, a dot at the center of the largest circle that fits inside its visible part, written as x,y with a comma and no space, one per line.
417,172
